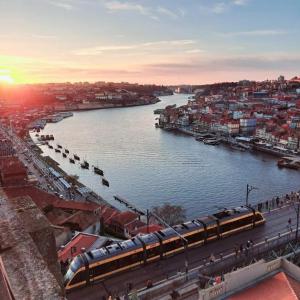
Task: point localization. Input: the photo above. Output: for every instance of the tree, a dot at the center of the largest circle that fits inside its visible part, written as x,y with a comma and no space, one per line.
171,214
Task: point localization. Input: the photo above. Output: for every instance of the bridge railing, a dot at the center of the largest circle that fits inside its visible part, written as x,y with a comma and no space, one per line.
277,202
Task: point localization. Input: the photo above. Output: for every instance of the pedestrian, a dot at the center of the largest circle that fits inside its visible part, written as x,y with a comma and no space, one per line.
149,284
241,248
277,201
174,295
212,258
236,251
289,223
248,244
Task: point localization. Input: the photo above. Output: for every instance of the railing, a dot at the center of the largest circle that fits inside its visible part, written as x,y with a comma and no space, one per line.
208,268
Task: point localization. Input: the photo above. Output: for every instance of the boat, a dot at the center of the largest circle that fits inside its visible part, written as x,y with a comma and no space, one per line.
59,146
57,150
37,134
85,165
202,136
51,137
50,146
237,147
105,182
158,111
72,161
76,157
67,151
289,162
98,171
212,141
64,155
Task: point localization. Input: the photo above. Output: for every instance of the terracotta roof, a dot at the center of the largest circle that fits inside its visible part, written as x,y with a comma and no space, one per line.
124,218
42,199
277,287
73,248
80,219
12,165
144,229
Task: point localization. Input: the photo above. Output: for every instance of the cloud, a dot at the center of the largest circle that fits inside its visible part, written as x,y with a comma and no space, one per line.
240,2
194,51
43,36
261,32
219,8
115,6
167,12
65,4
126,6
156,44
264,63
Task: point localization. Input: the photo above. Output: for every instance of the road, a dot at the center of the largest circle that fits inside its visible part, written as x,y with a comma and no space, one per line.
276,222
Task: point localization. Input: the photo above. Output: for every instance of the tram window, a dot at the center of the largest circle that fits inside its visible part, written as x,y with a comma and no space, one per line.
153,252
196,237
79,277
172,245
236,224
228,226
212,231
258,217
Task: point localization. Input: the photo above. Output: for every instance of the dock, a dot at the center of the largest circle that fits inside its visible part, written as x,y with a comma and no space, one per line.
129,205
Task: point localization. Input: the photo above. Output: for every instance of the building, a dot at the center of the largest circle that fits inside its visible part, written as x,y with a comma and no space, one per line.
81,242
12,172
28,260
273,280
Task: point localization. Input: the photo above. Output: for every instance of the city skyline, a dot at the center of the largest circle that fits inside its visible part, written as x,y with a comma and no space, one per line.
167,42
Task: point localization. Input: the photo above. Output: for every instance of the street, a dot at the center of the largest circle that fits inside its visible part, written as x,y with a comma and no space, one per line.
276,222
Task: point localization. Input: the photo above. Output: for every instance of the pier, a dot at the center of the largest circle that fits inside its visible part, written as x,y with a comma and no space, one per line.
129,205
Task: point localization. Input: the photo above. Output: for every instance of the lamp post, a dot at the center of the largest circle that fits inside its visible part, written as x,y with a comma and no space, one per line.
298,214
183,239
249,189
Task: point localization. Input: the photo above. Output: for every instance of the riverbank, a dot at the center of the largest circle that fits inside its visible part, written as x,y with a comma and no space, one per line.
149,166
95,105
268,149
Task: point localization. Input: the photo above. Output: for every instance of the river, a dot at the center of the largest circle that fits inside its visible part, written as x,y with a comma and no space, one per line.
149,166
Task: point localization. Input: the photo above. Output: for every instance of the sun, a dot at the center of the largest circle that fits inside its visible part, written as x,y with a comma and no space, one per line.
5,78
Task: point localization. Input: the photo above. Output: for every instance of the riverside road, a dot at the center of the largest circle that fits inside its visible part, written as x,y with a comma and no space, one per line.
276,222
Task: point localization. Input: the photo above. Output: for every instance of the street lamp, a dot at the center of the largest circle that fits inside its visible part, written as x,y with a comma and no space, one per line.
249,189
298,213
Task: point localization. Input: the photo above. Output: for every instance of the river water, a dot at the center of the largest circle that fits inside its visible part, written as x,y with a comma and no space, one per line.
149,166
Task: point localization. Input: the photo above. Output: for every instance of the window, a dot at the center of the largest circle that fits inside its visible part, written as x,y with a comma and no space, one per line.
79,277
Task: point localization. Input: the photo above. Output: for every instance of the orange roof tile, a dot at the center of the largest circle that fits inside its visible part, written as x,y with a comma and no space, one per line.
277,287
73,248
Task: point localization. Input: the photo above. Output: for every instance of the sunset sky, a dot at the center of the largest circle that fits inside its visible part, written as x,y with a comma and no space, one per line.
148,41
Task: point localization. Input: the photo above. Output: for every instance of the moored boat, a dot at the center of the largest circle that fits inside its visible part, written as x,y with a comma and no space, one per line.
64,155
67,151
289,162
212,141
105,182
50,146
85,165
72,161
98,171
59,146
76,157
57,150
